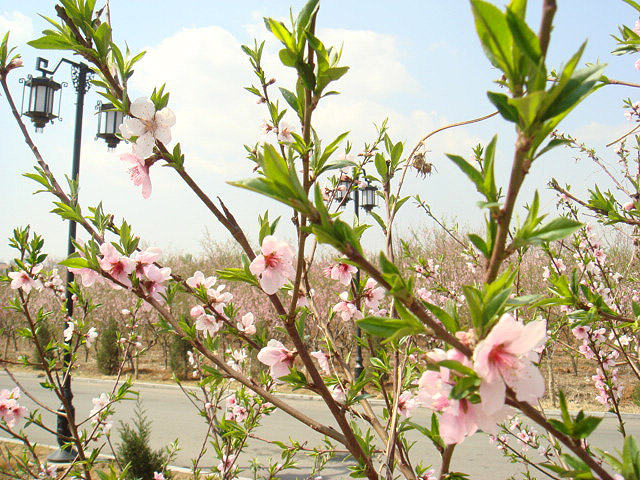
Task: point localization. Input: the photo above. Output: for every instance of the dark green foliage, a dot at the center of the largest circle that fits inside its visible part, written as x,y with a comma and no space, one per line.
178,357
43,334
134,448
108,351
635,394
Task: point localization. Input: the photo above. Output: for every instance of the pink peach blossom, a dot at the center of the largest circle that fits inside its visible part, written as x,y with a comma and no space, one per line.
246,324
144,258
148,125
10,411
219,299
199,280
346,308
226,463
323,360
208,324
25,281
274,266
156,281
116,265
139,172
338,393
406,404
88,276
504,358
342,272
284,133
372,294
278,357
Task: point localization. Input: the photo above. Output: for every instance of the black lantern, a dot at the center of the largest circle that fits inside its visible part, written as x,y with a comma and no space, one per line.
368,196
41,99
109,121
343,188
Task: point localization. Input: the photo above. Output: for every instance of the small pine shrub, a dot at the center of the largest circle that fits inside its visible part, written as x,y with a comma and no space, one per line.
43,334
134,449
635,394
178,360
108,357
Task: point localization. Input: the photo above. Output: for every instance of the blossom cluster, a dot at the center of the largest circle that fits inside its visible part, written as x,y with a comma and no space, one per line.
10,411
217,299
120,268
595,346
504,358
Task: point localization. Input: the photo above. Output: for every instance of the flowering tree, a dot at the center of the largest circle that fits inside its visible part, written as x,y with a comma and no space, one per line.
475,364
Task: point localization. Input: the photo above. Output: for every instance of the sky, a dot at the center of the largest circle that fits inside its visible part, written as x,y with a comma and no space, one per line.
417,63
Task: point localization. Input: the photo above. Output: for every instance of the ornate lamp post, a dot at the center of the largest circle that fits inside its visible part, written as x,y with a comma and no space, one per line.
42,92
343,195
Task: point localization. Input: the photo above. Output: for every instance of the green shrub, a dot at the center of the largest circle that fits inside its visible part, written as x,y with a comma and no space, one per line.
178,360
108,350
134,449
43,334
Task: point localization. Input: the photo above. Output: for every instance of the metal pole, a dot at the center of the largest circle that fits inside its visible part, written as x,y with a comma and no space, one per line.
64,455
356,208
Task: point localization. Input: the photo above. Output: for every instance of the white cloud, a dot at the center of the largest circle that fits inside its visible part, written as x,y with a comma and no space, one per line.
205,72
375,61
19,25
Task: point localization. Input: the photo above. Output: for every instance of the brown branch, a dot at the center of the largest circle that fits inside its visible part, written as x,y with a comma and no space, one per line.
221,364
447,455
546,24
611,81
573,445
519,170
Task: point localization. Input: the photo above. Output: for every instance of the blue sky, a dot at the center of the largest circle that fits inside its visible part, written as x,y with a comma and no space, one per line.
417,62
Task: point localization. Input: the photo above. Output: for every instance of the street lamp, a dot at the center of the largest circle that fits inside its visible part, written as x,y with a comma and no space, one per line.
40,109
109,121
343,195
42,91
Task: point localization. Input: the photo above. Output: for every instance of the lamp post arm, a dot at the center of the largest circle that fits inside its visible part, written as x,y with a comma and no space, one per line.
43,63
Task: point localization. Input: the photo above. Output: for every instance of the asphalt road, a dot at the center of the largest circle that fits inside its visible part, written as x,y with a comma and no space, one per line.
174,417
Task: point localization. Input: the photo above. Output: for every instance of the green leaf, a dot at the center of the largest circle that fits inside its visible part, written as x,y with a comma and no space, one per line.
528,108
381,166
474,175
489,183
480,244
556,142
305,16
501,102
585,427
50,42
388,267
557,229
494,35
449,322
390,328
291,99
630,459
281,33
580,85
524,37
458,367
288,58
633,4
74,262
